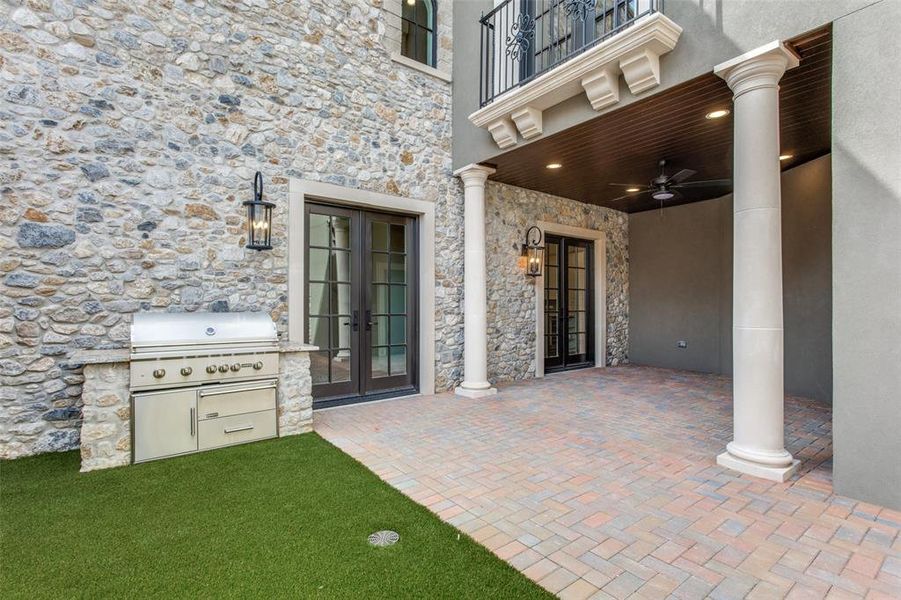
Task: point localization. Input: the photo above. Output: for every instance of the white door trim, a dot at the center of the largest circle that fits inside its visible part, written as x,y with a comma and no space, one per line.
600,293
301,189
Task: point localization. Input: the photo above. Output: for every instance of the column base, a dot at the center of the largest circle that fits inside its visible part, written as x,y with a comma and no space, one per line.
475,392
779,474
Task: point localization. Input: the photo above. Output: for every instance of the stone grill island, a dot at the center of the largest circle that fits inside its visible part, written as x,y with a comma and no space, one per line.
178,391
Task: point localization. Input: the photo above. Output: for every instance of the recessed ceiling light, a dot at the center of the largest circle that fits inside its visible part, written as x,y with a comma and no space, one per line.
633,189
411,2
718,114
786,156
554,166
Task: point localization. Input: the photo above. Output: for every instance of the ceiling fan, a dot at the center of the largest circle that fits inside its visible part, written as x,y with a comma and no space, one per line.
666,187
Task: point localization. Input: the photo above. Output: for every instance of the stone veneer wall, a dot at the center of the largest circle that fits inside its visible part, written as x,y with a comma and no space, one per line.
511,294
129,135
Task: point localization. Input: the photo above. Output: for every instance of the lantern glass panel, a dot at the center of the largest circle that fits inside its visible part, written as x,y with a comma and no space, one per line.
533,264
259,218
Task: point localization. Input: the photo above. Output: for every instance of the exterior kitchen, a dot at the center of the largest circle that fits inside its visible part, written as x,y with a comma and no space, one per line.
191,382
131,137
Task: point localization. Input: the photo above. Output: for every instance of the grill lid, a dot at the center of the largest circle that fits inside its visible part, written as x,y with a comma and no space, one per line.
161,330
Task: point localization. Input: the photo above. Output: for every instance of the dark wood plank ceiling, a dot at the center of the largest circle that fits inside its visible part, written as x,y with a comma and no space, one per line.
625,145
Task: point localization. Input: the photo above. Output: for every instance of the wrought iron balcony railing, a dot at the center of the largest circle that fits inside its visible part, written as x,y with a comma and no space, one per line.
521,39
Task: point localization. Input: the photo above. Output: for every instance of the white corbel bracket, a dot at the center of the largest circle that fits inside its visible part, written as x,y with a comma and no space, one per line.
503,132
528,121
602,87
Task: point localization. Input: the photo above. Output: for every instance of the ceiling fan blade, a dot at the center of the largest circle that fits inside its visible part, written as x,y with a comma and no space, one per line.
707,183
632,195
681,176
639,185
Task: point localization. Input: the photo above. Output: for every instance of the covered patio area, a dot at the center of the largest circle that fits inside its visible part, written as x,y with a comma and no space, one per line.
603,483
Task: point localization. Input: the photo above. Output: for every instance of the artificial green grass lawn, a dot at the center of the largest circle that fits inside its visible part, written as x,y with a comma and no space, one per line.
286,517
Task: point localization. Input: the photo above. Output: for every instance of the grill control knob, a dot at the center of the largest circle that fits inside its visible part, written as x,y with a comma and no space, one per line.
223,368
236,367
159,373
258,365
211,369
185,371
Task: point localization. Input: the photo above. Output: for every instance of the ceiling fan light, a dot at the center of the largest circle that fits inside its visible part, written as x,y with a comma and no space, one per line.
662,195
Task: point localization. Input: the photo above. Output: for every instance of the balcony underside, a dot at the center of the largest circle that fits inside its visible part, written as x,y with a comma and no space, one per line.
624,145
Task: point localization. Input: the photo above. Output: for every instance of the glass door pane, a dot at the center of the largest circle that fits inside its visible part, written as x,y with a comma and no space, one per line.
331,300
552,303
577,302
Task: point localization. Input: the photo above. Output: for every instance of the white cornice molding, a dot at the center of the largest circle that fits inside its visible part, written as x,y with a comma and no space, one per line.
635,51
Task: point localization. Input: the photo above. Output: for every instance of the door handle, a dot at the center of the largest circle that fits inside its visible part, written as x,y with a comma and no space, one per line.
356,321
368,320
192,422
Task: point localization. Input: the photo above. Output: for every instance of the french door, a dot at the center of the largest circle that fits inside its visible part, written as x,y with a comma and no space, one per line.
568,310
361,300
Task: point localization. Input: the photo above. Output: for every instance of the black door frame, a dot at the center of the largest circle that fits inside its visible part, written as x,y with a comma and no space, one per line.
564,361
362,387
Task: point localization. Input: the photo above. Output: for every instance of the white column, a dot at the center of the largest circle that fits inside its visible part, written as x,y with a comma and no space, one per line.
475,300
758,446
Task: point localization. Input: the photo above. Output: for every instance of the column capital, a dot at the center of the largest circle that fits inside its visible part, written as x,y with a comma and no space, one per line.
474,174
761,67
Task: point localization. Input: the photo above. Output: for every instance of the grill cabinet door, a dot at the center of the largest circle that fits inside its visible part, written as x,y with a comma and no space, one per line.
165,424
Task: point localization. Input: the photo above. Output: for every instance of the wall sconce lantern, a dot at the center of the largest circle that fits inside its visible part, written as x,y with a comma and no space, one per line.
259,218
532,256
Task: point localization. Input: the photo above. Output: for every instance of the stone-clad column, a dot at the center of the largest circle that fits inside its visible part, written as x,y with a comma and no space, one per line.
475,299
295,389
758,446
106,410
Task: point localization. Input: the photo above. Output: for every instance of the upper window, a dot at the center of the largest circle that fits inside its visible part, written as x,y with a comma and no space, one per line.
417,31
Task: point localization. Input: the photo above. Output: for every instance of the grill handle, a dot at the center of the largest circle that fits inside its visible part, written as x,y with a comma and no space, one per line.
237,429
192,421
250,388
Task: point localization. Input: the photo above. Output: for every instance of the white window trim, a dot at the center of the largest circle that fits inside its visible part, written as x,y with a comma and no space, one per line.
600,293
421,67
301,189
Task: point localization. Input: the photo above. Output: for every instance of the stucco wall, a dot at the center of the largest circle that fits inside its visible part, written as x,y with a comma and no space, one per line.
681,283
866,233
510,211
129,136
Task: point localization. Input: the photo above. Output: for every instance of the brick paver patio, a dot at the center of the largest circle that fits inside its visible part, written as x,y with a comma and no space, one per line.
603,483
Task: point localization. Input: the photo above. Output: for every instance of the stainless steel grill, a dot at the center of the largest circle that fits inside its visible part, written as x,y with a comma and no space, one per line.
201,381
